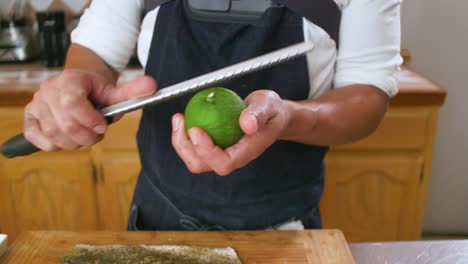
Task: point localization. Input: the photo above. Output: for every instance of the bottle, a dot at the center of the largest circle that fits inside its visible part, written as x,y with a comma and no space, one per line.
53,37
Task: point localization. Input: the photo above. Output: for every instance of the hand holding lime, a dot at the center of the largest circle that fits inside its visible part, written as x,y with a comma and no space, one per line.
217,112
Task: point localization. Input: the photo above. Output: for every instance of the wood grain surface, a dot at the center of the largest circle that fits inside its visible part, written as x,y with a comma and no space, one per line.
311,246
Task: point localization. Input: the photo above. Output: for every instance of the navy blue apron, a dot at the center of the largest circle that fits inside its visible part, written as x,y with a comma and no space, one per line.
285,183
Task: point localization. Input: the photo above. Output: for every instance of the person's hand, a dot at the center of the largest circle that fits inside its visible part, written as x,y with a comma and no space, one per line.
62,113
263,122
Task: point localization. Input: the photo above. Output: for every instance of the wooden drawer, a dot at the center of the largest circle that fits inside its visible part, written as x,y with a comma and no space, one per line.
122,135
402,128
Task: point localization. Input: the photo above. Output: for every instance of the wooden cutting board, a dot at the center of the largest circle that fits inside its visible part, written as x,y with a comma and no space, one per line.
310,246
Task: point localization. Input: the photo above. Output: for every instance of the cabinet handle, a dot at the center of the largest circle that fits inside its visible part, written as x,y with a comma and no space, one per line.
421,175
98,178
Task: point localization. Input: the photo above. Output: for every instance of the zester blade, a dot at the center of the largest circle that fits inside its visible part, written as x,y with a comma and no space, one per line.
210,79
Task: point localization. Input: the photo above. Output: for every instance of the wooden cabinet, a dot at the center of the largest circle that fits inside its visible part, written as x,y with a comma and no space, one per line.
49,192
375,188
44,191
372,197
118,166
119,173
89,189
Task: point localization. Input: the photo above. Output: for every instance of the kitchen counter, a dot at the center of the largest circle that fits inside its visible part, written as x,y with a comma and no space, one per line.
417,252
18,83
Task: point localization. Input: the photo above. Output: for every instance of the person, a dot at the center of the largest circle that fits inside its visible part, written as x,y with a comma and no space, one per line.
273,177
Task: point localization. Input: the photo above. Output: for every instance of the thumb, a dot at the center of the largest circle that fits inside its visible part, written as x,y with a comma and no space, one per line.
255,117
136,88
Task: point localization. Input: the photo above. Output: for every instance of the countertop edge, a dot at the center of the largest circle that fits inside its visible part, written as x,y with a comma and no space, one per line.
415,88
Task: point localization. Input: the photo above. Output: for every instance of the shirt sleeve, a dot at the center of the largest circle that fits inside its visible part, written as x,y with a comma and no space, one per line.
369,51
110,28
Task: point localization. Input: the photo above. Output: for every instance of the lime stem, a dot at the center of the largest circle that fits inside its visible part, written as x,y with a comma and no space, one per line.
211,97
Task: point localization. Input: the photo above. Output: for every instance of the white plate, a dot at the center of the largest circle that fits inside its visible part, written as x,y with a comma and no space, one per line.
3,244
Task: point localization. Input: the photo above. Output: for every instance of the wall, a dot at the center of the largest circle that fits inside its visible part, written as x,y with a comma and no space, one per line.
436,33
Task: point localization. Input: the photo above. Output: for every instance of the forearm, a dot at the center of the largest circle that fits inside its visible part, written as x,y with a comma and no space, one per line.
338,117
82,58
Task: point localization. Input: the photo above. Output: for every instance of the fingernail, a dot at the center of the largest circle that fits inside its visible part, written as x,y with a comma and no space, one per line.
176,124
193,136
100,129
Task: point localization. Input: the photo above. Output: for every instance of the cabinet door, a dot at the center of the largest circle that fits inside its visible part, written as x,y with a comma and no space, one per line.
49,192
372,197
119,173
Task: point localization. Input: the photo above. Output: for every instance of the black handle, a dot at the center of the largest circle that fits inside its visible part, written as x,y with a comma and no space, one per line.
19,146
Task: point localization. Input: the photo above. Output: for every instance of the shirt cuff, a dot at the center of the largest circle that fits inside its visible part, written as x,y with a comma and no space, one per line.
386,82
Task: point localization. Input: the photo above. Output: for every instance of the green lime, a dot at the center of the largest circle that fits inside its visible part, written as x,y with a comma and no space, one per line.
217,112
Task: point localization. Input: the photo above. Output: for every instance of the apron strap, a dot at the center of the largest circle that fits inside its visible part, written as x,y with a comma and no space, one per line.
323,13
150,5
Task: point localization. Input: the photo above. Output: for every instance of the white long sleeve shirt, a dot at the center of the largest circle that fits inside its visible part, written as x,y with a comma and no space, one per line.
369,51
